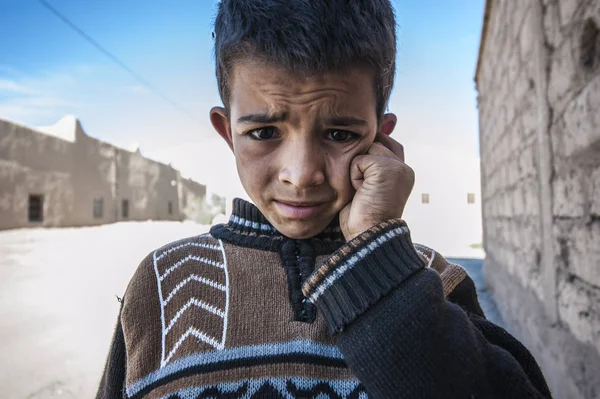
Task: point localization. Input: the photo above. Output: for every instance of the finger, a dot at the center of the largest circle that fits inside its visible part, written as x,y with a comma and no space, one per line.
377,168
379,149
361,163
372,166
391,144
357,167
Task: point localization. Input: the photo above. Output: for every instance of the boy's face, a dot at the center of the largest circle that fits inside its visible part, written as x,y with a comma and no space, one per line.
294,138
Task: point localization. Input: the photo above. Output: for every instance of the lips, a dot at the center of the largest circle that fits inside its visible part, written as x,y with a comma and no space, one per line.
298,210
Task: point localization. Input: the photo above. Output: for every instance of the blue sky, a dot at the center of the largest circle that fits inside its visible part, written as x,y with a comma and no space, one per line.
47,71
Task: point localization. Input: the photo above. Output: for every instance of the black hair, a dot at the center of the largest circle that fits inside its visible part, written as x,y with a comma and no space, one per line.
307,38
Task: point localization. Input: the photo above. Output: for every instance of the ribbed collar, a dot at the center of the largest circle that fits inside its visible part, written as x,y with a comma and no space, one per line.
248,227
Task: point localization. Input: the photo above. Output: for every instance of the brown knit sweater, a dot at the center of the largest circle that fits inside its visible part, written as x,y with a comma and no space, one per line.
244,312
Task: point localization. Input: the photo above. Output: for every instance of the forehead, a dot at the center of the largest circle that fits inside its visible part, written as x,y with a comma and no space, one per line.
259,85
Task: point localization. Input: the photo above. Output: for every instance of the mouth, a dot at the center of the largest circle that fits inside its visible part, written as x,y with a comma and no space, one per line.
298,210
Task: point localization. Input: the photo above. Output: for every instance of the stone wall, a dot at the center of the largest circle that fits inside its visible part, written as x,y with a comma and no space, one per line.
32,163
72,174
149,187
538,79
94,172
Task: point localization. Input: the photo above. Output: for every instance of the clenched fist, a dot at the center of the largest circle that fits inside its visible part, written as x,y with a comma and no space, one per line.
383,183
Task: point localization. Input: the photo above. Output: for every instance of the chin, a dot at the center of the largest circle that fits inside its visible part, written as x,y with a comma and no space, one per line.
297,229
300,230
300,235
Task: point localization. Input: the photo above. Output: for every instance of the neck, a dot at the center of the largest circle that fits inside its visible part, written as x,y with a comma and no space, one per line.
247,226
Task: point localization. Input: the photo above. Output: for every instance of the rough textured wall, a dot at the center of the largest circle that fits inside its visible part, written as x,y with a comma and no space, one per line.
19,181
94,177
509,147
538,80
31,163
149,186
165,192
574,98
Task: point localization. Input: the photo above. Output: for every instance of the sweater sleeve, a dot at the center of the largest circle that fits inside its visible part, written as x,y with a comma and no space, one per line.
402,337
113,378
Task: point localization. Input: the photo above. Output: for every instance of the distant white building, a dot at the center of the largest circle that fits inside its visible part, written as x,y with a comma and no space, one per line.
444,209
56,176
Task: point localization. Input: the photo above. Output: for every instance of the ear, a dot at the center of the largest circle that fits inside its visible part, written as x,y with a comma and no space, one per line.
388,123
220,122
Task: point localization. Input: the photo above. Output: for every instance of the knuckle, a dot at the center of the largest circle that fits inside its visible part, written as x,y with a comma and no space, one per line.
410,176
405,172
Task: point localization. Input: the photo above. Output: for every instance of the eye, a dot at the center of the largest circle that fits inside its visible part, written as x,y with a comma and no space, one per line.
263,133
341,136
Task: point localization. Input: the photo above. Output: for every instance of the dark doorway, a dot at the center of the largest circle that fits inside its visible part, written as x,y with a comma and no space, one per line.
98,208
170,208
36,208
125,209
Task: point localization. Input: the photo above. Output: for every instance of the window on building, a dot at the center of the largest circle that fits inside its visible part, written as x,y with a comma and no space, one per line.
36,208
170,208
425,198
125,209
98,208
470,198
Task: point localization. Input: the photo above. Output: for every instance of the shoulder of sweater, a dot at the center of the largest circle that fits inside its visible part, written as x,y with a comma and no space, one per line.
459,288
451,274
161,261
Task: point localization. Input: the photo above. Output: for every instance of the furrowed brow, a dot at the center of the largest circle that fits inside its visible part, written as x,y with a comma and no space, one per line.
263,118
346,121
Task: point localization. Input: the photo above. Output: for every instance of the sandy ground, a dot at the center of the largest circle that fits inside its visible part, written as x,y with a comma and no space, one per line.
58,305
58,301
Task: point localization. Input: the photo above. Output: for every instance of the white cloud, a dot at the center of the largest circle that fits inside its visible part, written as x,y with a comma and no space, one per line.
33,110
34,100
11,86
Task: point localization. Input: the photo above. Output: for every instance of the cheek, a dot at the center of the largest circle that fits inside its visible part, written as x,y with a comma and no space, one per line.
338,169
338,174
249,162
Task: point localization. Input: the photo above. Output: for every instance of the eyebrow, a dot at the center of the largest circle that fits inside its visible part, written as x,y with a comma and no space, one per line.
266,118
346,121
263,118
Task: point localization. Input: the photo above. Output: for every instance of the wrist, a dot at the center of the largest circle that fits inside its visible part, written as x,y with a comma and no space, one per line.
362,271
365,226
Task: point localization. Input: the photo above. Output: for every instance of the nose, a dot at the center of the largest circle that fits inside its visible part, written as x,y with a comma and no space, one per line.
303,164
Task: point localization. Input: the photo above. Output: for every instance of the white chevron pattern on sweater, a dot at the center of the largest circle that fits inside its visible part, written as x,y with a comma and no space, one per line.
188,258
199,279
188,244
198,303
192,302
199,335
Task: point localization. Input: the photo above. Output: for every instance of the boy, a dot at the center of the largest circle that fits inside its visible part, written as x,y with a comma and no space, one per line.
317,291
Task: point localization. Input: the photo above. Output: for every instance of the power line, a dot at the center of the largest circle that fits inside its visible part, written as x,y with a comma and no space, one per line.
114,58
